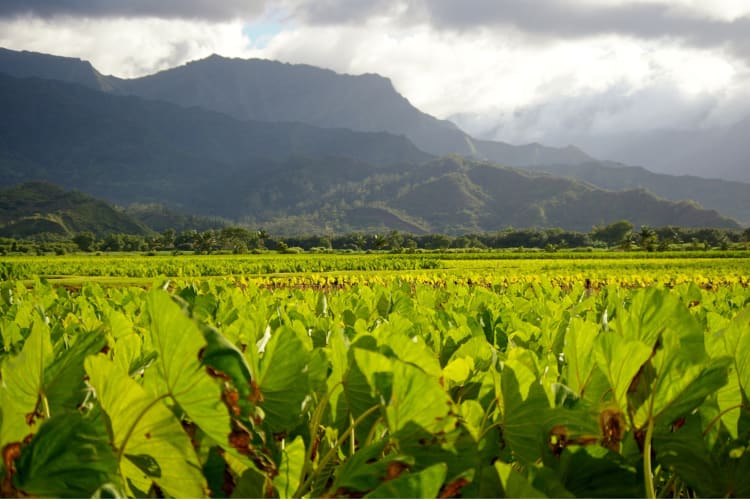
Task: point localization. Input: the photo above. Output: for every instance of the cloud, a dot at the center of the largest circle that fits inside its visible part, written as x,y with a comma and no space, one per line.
720,23
210,10
126,47
563,120
447,73
514,70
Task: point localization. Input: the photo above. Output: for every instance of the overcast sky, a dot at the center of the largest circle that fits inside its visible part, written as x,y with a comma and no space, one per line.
515,70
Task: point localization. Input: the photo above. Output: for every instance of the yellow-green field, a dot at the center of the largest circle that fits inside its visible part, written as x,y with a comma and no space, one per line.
376,375
706,269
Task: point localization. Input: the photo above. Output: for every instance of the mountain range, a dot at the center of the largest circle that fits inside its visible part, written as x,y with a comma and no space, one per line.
295,147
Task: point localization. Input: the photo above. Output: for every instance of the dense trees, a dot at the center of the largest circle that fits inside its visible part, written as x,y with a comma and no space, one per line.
619,235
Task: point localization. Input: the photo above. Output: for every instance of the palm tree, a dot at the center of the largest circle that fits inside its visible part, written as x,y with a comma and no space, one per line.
262,236
648,238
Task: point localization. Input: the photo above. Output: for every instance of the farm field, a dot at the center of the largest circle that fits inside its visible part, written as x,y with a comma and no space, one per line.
601,268
425,375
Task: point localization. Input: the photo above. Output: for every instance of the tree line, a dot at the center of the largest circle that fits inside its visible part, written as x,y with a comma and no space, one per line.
619,235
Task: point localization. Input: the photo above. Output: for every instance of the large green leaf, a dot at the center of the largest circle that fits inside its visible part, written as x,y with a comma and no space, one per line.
283,380
64,383
417,398
711,473
423,484
742,325
290,469
653,311
223,356
70,456
251,484
339,360
22,394
681,386
579,343
525,406
595,472
620,360
732,338
514,484
178,370
366,383
410,395
362,471
127,351
394,340
145,433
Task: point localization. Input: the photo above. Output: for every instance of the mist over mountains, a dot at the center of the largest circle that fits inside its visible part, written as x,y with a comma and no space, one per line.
697,147
295,146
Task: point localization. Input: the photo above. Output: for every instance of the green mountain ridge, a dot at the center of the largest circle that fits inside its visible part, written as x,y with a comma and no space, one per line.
127,149
39,207
455,195
728,197
271,91
259,89
289,177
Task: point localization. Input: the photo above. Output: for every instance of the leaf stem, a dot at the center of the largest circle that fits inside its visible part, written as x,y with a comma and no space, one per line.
720,415
332,452
648,475
668,486
45,405
314,427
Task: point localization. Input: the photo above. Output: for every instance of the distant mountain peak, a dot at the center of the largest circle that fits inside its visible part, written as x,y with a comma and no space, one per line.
136,150
274,91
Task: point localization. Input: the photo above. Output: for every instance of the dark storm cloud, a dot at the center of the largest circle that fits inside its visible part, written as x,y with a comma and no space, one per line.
212,10
558,19
544,19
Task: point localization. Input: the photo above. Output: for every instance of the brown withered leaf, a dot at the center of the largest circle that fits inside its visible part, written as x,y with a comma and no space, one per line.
678,424
453,489
558,439
256,396
217,374
395,469
230,397
10,453
612,425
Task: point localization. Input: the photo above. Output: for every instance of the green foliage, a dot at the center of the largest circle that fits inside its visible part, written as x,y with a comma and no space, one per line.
28,210
397,390
70,456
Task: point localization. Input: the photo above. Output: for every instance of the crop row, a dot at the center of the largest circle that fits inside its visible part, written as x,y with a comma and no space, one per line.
404,389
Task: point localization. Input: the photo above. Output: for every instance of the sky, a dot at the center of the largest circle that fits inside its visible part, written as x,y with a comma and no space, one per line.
513,70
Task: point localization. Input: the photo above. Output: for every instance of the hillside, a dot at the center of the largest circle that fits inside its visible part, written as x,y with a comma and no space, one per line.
39,207
127,149
488,198
25,64
729,198
271,91
289,177
265,90
456,195
160,218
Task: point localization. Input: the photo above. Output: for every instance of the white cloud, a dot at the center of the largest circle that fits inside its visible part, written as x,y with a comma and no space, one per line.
125,47
503,81
495,72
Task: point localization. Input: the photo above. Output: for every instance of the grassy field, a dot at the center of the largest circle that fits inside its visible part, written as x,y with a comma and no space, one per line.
489,268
